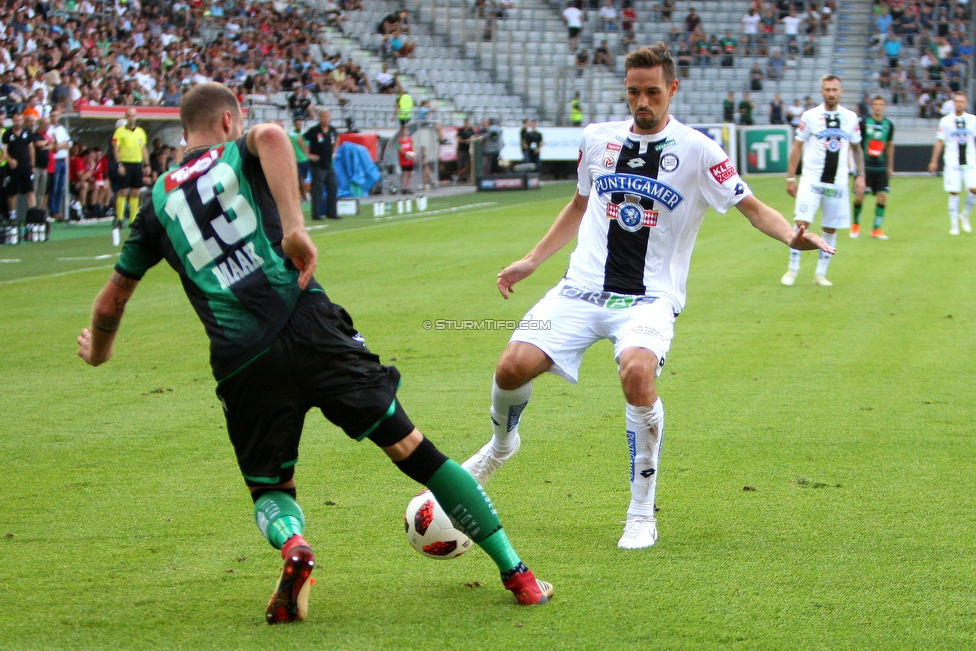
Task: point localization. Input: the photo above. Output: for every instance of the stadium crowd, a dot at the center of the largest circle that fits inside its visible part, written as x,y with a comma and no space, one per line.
924,49
145,52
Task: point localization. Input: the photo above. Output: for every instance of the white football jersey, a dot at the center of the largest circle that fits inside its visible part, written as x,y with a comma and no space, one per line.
827,137
957,133
647,198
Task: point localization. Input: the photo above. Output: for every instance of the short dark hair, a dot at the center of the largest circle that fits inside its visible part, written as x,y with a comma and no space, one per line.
202,105
877,97
652,56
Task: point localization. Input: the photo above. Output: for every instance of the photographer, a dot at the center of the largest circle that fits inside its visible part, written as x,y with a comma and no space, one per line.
492,146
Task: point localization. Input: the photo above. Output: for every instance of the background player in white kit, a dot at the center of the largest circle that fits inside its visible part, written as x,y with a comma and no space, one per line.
644,185
824,139
955,138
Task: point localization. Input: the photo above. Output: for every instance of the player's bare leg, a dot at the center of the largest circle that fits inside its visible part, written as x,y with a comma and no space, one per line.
820,277
510,392
794,269
645,434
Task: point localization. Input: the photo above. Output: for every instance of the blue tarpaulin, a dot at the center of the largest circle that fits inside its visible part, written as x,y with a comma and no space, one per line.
356,173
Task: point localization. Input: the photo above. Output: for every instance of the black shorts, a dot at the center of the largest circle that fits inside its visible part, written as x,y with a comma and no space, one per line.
876,181
406,168
574,32
132,177
317,360
20,180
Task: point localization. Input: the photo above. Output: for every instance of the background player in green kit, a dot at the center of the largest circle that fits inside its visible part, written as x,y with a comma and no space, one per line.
878,140
229,221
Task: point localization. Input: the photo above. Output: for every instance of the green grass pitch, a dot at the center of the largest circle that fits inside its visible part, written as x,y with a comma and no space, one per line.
816,484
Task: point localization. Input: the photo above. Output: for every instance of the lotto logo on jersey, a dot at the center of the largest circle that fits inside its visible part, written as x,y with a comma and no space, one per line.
723,171
610,155
192,170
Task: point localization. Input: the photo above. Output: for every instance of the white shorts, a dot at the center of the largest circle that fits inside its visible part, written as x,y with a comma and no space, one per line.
831,198
955,177
568,320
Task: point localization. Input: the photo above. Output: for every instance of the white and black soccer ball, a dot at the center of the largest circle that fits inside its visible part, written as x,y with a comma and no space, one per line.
430,531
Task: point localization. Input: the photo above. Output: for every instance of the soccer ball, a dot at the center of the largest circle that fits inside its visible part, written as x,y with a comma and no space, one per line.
430,531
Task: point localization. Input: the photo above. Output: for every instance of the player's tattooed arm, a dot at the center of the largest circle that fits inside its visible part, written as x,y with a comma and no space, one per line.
95,344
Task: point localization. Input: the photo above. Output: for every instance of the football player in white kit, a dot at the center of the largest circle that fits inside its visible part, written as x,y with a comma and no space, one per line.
644,185
955,138
824,139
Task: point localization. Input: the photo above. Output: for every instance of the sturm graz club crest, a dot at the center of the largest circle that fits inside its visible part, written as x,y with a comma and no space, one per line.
630,214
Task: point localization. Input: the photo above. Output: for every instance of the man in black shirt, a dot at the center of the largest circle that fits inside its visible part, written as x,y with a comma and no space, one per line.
321,145
42,154
18,150
464,136
533,143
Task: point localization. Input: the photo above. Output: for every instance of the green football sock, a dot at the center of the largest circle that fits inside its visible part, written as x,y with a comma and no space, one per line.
279,517
472,512
857,213
878,216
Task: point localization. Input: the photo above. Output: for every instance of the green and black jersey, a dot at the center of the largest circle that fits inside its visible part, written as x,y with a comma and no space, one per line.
215,222
875,136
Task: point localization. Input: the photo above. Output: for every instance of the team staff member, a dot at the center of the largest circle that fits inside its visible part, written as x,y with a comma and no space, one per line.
320,141
129,146
278,345
18,151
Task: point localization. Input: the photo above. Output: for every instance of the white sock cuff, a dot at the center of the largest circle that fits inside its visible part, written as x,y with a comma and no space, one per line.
830,238
953,202
646,416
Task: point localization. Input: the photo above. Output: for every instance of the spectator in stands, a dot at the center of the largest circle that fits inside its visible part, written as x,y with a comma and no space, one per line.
601,56
767,25
776,110
808,103
608,16
762,47
756,77
746,107
628,40
728,108
882,23
729,45
101,193
581,61
953,74
666,9
390,23
299,102
783,8
965,51
791,31
701,48
810,47
795,112
386,83
401,47
811,20
684,58
692,22
750,30
573,18
628,16
775,65
924,100
892,49
907,26
884,78
899,86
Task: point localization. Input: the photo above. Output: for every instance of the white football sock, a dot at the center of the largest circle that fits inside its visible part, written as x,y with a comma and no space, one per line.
954,210
645,434
824,261
970,202
506,410
795,256
116,237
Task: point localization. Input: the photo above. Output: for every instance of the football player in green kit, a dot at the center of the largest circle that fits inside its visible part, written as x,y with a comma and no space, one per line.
878,140
229,222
